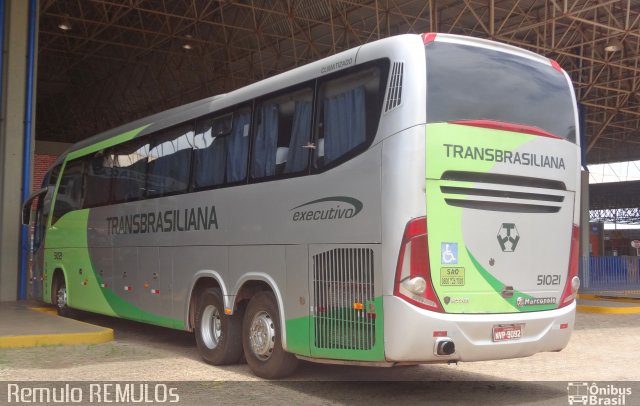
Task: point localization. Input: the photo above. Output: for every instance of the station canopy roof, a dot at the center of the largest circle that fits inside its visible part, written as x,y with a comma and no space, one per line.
102,63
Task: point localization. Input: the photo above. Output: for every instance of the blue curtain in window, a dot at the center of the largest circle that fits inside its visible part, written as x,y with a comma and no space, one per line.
238,151
180,168
156,181
344,123
169,173
137,179
298,157
210,164
264,156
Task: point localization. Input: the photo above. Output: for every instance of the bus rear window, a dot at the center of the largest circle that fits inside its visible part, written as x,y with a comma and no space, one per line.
469,82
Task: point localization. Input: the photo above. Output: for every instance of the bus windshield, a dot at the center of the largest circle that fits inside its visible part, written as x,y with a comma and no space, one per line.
468,82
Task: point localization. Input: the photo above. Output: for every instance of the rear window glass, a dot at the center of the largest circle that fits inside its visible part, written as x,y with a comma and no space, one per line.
468,82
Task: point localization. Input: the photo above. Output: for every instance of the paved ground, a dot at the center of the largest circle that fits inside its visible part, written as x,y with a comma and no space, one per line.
21,326
603,347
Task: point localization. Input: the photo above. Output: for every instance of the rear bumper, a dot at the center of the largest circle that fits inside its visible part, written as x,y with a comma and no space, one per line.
408,333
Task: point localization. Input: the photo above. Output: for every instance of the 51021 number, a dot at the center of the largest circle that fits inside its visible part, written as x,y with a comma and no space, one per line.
548,280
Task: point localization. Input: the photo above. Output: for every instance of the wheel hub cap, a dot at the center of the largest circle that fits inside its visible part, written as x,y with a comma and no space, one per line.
211,327
62,297
262,335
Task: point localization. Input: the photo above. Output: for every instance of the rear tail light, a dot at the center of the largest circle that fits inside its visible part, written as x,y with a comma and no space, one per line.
573,282
413,274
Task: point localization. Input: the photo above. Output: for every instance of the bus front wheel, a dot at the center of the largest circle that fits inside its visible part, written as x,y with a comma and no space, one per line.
261,338
60,297
217,335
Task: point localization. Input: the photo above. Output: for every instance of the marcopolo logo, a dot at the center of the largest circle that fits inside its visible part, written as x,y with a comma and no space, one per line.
535,301
457,300
327,208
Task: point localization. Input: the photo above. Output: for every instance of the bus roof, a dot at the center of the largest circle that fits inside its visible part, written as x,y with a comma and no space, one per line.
197,108
301,74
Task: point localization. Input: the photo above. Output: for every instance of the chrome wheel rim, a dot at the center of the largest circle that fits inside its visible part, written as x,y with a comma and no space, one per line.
211,327
62,297
262,335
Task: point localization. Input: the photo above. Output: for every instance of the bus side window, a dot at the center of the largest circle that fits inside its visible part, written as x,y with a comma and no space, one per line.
51,184
348,113
129,171
169,161
71,190
263,163
55,173
210,146
283,134
98,179
221,149
38,224
238,146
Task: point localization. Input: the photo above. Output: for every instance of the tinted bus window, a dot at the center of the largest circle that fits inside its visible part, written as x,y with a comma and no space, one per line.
169,161
221,149
129,170
210,150
98,179
348,113
466,82
71,190
282,133
53,177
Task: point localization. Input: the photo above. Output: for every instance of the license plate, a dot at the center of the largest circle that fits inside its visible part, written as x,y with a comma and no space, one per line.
507,332
451,276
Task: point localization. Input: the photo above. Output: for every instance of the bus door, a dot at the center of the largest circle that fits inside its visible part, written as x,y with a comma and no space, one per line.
37,222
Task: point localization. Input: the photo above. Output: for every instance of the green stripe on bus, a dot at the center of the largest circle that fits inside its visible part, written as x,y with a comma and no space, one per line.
498,286
302,337
481,290
69,239
117,139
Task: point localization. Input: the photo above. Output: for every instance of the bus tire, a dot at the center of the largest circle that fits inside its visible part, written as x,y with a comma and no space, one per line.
262,339
60,297
217,335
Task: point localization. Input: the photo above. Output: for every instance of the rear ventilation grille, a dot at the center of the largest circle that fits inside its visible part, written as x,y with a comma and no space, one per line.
480,196
500,179
504,194
394,93
343,295
505,207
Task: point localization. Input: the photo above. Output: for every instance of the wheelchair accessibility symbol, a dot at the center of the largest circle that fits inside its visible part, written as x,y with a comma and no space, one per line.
449,253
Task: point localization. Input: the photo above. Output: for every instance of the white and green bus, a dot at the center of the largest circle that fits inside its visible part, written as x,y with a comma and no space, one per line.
412,200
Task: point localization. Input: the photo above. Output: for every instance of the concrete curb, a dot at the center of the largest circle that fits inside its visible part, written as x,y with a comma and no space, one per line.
38,340
608,298
608,310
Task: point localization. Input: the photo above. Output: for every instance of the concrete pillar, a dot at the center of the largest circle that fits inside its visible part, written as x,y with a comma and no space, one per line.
12,124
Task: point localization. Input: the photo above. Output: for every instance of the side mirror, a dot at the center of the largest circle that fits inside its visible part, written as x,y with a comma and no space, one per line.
26,206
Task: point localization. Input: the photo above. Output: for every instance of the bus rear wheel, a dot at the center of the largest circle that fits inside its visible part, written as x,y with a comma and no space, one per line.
261,339
217,335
